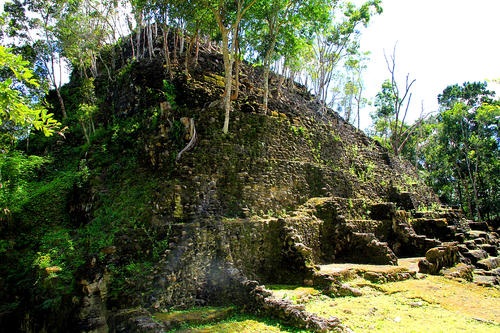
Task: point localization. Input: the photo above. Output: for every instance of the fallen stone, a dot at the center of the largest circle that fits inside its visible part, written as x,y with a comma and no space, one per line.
52,269
460,271
108,250
424,266
485,281
196,316
342,290
134,320
489,263
438,258
374,277
475,255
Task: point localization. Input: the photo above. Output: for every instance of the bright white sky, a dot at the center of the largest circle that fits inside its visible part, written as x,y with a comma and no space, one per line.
440,42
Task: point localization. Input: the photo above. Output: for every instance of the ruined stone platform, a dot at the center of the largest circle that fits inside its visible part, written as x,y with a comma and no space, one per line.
404,265
406,268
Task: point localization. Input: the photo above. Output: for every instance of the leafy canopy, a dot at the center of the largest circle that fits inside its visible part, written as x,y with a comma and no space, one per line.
16,107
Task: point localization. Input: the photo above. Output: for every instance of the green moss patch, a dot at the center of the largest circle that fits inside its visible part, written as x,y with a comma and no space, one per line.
434,304
196,316
466,298
295,294
242,323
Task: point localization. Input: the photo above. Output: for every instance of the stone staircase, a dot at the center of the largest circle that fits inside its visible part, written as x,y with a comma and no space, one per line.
363,232
480,249
477,246
360,231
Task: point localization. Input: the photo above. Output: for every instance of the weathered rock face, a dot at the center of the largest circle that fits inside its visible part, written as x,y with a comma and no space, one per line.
267,162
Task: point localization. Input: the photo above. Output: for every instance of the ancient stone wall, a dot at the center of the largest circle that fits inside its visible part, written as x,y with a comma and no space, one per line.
270,162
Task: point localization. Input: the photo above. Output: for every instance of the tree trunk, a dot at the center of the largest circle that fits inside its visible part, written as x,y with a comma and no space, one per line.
139,26
150,41
132,46
358,103
281,82
236,93
176,36
197,47
228,67
237,54
166,51
181,47
61,102
189,49
266,84
85,132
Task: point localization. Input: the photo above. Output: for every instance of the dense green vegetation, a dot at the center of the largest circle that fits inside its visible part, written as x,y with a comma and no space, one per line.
456,150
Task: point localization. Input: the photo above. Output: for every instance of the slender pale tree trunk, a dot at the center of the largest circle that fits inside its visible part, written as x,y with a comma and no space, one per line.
266,82
139,32
229,55
197,47
132,45
61,102
166,51
57,87
237,61
228,67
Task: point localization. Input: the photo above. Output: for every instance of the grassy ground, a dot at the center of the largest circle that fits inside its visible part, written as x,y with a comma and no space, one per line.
433,304
237,324
220,320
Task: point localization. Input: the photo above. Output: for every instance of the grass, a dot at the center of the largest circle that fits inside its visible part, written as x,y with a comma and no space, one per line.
433,304
430,305
466,298
243,323
195,316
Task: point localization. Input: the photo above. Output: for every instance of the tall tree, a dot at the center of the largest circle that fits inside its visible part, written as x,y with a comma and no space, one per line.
337,41
347,94
228,15
16,107
469,93
392,104
35,23
276,21
464,150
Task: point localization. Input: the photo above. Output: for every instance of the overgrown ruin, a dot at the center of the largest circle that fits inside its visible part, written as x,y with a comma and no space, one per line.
280,196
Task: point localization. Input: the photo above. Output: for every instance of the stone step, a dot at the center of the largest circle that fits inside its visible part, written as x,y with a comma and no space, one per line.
471,234
482,226
459,236
485,281
492,250
452,228
364,234
462,248
494,272
475,255
489,264
480,240
363,226
471,245
432,242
